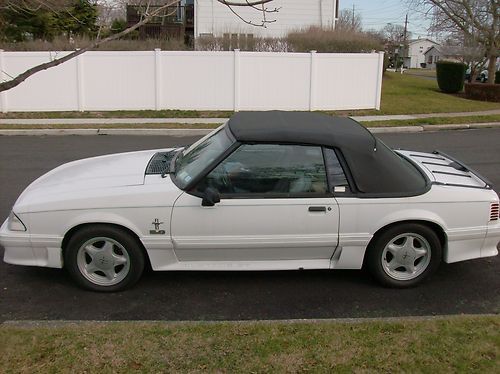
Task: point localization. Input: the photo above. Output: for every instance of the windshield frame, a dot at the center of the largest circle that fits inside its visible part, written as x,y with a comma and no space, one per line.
195,179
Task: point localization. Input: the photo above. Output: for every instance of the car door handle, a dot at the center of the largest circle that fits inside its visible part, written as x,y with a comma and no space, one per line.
317,208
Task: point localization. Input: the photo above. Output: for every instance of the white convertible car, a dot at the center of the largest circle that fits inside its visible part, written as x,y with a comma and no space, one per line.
266,191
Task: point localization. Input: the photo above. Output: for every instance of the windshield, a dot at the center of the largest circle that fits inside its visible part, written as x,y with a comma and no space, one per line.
190,162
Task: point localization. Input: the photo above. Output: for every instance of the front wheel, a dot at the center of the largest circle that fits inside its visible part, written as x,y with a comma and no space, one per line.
104,258
404,255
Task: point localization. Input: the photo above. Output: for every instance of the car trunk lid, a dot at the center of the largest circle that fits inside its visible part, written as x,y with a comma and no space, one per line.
444,169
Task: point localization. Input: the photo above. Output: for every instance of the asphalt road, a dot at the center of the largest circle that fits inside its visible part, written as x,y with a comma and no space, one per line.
38,293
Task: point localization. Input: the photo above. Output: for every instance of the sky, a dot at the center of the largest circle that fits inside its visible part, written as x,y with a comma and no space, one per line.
376,14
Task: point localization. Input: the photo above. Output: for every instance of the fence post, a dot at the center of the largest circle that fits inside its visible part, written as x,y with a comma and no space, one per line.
380,72
3,94
236,80
158,82
80,83
312,78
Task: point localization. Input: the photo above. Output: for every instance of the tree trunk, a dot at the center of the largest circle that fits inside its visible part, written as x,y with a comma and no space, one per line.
492,68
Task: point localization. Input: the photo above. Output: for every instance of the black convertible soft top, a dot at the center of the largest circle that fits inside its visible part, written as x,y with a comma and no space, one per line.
376,169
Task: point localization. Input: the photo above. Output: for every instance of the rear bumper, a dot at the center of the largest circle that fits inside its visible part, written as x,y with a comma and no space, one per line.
490,245
22,248
472,243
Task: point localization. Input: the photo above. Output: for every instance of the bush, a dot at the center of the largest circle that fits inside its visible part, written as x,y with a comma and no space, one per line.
65,44
331,41
483,91
497,77
450,76
243,42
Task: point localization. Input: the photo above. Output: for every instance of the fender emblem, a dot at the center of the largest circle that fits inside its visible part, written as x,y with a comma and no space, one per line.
156,223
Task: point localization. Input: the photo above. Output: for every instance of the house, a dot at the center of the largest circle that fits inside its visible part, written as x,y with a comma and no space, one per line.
198,18
416,52
176,21
437,52
215,19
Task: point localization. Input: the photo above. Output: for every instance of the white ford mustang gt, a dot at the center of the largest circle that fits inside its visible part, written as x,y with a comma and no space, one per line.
266,191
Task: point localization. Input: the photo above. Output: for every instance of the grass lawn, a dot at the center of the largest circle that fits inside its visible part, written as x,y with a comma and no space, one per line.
422,72
123,114
453,344
401,94
406,94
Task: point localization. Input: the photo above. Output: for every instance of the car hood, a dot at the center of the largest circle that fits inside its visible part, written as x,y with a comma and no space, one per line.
91,176
121,169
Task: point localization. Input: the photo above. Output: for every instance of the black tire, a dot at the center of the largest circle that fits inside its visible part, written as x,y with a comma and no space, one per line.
124,246
376,260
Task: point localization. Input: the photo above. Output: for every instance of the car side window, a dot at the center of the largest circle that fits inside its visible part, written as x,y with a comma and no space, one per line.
270,170
336,176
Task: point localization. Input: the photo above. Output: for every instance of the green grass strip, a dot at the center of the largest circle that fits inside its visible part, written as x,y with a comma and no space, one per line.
453,344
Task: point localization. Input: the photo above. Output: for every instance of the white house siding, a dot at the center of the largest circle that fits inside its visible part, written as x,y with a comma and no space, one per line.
416,51
213,18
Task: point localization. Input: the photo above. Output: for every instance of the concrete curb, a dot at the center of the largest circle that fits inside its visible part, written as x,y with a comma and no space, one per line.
406,117
347,320
143,132
430,128
109,121
201,132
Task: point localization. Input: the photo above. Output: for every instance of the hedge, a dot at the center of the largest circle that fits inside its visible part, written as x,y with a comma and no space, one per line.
450,76
497,77
483,91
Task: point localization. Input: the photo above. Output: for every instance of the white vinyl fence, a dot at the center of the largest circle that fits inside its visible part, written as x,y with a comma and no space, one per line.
194,81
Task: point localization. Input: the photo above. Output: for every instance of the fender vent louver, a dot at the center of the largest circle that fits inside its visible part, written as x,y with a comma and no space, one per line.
159,163
494,212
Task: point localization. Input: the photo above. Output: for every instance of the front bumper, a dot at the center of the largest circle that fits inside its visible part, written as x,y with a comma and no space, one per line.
22,248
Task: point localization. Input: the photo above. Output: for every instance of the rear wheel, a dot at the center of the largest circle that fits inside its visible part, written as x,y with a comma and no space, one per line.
104,258
404,255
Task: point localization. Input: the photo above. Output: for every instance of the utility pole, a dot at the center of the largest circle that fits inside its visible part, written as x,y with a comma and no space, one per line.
405,38
353,10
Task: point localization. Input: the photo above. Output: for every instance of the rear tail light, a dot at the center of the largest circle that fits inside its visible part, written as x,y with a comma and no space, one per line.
494,212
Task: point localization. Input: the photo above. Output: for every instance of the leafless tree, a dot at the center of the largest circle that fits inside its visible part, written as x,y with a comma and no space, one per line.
476,21
148,8
349,21
394,34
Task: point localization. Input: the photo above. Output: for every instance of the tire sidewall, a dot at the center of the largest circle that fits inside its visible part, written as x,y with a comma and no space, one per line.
376,248
125,239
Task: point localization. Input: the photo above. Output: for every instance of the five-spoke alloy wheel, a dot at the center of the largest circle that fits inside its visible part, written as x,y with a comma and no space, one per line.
404,255
104,258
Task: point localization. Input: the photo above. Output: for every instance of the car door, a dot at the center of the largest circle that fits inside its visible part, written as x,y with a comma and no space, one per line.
276,204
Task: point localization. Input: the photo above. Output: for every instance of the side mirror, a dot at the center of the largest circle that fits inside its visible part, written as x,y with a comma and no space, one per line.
210,197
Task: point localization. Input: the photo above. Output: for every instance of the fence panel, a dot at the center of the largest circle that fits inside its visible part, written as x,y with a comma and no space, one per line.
131,80
274,80
119,80
54,89
346,81
195,80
